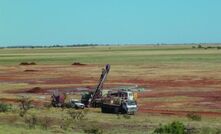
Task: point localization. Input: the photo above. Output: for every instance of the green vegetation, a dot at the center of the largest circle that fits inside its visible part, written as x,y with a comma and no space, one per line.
172,128
5,107
93,131
25,105
31,120
113,55
193,116
180,64
56,120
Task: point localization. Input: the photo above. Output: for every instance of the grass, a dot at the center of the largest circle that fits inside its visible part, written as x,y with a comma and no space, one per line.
112,55
109,123
132,63
9,86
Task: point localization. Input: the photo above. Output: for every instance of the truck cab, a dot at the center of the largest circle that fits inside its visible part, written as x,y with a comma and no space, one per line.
129,107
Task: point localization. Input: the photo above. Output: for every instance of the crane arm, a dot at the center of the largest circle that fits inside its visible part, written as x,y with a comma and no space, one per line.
97,93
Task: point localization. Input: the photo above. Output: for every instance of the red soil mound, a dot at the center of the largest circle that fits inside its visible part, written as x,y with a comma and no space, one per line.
27,63
78,64
30,70
36,90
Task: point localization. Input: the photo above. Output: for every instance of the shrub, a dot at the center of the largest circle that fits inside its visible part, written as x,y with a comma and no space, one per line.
5,107
25,105
193,116
208,130
31,121
199,46
218,131
46,122
191,130
65,123
172,128
126,116
76,114
93,131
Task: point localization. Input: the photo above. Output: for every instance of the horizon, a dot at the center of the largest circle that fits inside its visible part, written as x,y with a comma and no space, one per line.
89,45
34,23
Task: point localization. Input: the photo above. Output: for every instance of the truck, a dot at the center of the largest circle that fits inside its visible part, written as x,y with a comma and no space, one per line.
74,103
119,102
58,100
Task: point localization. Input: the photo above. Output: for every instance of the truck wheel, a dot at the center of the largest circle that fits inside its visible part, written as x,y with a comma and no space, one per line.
116,110
103,110
123,111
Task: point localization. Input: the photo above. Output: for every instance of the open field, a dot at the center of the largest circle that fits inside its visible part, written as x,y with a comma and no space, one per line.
178,79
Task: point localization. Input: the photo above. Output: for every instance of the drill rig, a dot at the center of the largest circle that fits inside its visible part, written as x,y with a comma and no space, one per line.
93,99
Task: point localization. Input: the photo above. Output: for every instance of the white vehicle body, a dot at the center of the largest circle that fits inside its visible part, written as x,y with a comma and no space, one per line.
74,103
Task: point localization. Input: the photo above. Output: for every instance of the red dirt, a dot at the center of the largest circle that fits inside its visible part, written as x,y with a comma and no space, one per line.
30,70
208,100
8,100
215,95
15,101
36,90
172,83
69,80
39,90
162,87
182,113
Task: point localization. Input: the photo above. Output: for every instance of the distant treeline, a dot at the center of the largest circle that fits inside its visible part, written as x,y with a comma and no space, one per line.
194,45
52,46
207,46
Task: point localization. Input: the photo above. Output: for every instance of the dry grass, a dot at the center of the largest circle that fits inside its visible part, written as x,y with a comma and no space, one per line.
167,69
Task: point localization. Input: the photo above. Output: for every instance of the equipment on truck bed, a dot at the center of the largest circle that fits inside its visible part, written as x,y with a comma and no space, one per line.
119,102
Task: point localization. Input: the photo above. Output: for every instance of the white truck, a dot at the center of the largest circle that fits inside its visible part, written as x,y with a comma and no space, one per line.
74,103
119,102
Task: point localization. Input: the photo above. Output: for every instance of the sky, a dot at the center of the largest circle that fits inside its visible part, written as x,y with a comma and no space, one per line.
49,22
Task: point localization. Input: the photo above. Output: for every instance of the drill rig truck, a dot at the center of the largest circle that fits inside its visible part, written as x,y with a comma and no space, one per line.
114,101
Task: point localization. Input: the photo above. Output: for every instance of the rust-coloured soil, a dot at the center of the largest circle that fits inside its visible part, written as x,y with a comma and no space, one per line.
201,95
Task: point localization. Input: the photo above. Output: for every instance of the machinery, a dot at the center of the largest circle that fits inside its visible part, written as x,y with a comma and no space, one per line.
114,101
88,99
57,99
119,102
73,103
93,99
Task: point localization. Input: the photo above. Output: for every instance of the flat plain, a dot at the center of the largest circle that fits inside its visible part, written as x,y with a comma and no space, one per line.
177,80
